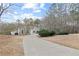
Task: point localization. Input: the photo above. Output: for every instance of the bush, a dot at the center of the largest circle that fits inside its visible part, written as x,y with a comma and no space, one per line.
52,33
63,33
45,33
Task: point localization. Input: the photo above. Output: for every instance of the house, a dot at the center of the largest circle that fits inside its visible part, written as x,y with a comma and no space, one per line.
34,30
24,31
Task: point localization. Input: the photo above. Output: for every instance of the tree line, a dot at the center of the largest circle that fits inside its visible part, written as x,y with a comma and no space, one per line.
59,17
62,17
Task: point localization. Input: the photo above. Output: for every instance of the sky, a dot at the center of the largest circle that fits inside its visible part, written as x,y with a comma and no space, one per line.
25,10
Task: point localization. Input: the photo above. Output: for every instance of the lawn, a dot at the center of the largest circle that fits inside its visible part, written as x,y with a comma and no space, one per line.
11,45
71,40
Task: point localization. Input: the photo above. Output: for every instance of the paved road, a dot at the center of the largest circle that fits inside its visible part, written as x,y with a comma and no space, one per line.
34,46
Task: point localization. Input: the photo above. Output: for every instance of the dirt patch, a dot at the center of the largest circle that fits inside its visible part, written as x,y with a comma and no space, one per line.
71,40
11,45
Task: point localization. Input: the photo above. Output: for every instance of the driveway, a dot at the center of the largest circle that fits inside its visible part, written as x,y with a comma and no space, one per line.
34,46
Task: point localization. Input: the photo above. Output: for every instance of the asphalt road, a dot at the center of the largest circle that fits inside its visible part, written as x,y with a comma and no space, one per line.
34,46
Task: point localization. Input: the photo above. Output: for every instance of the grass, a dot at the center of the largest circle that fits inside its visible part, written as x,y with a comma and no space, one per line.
11,45
71,40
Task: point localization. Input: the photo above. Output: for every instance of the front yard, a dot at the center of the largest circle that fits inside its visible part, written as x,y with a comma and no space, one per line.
11,45
71,40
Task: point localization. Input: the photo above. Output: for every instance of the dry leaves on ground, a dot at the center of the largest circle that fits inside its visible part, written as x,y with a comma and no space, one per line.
71,40
11,45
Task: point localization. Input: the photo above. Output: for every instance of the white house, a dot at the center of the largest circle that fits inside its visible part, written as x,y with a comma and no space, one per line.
23,31
34,30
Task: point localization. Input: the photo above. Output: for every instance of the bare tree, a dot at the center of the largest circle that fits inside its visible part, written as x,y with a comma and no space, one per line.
62,17
3,8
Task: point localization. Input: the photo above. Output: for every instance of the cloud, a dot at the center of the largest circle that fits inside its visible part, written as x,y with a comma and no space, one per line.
39,8
15,12
36,11
42,5
29,5
11,14
26,15
8,13
36,7
15,17
30,16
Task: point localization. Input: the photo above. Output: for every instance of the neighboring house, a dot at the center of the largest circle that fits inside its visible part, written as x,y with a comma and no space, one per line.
17,32
13,32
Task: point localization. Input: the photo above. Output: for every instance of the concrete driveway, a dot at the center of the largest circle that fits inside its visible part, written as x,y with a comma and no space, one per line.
34,46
